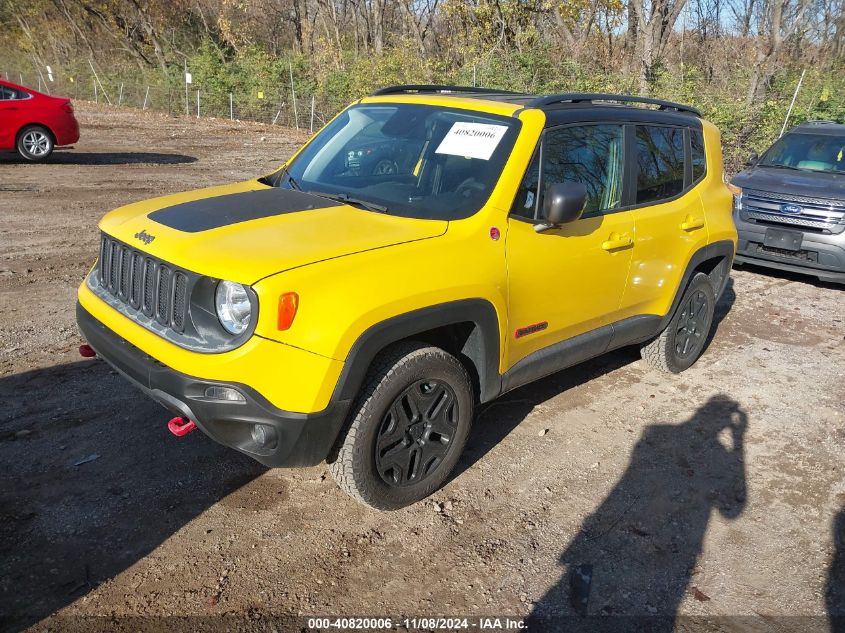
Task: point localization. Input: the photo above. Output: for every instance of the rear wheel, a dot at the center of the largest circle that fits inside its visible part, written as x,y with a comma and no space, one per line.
35,143
683,340
408,427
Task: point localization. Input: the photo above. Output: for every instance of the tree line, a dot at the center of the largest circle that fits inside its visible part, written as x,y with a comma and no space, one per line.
738,59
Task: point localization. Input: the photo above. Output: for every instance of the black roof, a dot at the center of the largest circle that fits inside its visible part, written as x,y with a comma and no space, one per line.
828,128
542,102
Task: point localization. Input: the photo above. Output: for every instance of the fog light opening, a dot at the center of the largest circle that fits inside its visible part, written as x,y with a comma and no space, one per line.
263,435
224,393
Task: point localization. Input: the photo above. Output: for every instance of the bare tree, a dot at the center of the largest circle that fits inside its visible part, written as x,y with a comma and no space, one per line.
654,20
777,20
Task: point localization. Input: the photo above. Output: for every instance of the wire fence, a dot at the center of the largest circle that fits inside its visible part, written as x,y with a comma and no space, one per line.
276,105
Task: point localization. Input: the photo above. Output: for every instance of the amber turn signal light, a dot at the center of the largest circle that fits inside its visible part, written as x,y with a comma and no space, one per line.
288,304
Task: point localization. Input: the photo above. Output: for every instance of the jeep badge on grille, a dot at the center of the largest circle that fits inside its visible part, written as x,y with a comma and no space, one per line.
145,237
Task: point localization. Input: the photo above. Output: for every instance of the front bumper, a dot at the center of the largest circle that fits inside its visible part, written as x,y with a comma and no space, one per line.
820,254
301,439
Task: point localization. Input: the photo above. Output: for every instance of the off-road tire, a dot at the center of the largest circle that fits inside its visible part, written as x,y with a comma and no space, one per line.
394,371
663,352
35,143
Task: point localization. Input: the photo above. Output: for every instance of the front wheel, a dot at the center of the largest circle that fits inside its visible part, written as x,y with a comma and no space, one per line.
35,143
683,340
408,427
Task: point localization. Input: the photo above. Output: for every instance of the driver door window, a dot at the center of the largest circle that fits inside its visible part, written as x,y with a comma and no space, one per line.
588,154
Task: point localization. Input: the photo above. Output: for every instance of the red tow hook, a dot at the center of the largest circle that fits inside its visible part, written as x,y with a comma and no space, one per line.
181,426
86,351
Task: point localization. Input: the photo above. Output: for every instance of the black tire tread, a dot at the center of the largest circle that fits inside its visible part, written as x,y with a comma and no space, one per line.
658,352
383,370
25,155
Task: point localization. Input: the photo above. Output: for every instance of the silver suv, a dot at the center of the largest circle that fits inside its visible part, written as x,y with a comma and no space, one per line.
789,205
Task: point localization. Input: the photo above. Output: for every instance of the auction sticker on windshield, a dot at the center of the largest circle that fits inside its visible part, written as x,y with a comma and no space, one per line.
472,140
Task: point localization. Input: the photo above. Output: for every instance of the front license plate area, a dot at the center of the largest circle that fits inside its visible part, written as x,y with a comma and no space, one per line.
787,240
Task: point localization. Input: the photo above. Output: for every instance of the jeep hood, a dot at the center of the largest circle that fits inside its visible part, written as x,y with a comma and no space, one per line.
247,231
790,181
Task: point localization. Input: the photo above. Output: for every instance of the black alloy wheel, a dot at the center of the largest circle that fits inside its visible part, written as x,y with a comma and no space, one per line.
407,428
693,325
415,432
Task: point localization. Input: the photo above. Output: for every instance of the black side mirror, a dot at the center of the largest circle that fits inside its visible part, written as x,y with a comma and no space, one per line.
752,160
563,202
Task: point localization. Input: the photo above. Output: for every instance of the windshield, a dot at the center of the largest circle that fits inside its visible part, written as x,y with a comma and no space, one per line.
411,160
813,152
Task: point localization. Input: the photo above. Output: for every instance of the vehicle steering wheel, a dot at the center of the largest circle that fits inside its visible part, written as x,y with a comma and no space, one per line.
470,186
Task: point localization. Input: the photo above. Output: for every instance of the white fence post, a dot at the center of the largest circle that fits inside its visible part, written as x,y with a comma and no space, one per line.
120,95
198,104
792,103
96,96
293,95
146,95
312,114
231,108
102,89
187,103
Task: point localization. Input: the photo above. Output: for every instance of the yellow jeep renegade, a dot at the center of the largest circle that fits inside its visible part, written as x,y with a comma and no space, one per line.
428,250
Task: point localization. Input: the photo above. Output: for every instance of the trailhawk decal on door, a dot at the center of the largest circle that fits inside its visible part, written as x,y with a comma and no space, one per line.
530,329
234,208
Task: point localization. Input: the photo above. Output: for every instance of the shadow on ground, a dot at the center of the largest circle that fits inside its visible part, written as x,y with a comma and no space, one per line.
786,275
633,560
72,157
835,590
497,419
91,482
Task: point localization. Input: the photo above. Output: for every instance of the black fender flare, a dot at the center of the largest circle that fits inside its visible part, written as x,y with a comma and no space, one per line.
481,347
722,249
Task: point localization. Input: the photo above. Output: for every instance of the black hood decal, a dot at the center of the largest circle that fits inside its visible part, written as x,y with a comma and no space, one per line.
233,208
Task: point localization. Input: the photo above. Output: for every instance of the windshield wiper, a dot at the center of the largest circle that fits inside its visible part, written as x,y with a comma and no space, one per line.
274,180
779,166
357,202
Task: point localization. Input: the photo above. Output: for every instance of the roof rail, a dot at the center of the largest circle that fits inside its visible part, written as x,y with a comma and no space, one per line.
590,97
410,88
819,122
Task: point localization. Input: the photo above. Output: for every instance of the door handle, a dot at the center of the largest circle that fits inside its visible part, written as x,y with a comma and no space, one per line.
616,241
691,224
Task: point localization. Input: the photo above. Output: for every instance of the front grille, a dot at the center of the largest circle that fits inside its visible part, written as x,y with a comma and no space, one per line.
805,256
825,203
144,283
819,214
793,220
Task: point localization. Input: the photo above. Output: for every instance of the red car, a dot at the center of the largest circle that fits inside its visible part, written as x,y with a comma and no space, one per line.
34,123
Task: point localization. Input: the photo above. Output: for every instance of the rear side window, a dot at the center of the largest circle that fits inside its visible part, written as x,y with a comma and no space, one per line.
660,158
8,94
699,163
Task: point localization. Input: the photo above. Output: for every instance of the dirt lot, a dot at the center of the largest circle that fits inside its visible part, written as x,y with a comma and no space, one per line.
714,493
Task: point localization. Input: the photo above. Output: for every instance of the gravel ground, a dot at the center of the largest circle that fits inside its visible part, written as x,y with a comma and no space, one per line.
710,495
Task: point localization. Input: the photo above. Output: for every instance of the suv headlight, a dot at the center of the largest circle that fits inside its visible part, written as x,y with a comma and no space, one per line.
233,306
737,193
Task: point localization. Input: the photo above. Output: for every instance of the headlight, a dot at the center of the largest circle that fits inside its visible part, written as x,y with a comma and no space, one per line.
233,307
737,193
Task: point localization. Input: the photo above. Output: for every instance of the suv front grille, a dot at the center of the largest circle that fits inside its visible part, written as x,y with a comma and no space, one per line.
144,283
820,214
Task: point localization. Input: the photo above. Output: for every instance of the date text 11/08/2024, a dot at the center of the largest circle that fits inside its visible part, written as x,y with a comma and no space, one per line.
413,624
